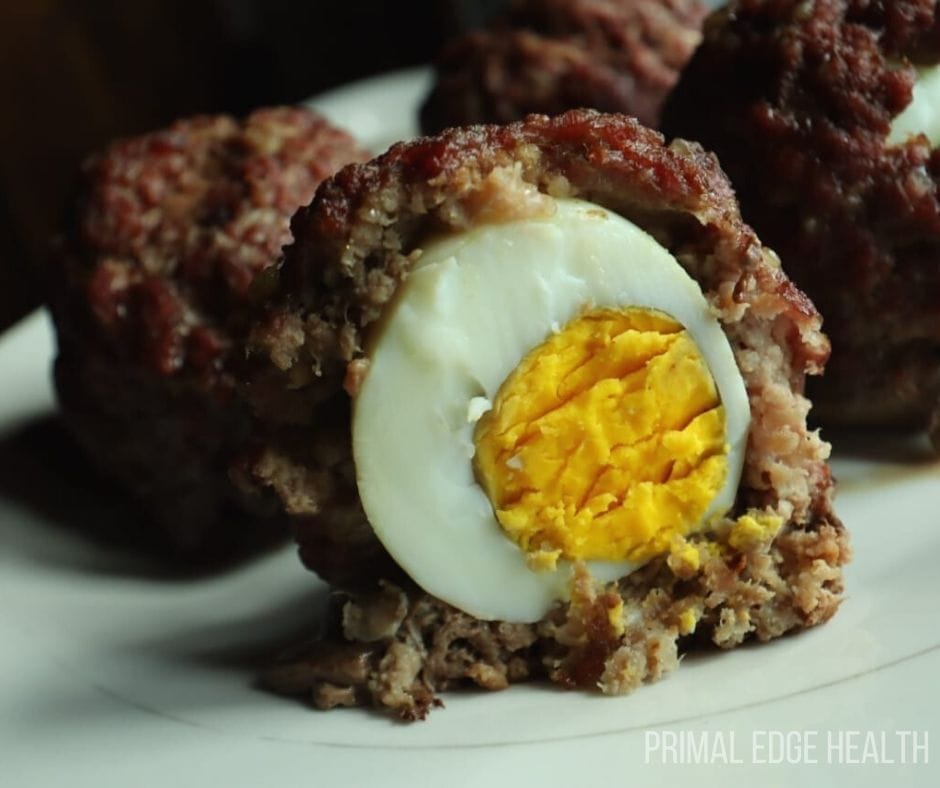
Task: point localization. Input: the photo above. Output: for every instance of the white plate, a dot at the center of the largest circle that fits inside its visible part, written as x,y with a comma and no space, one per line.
113,675
380,110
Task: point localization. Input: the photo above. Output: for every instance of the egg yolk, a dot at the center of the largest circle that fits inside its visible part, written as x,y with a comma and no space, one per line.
606,442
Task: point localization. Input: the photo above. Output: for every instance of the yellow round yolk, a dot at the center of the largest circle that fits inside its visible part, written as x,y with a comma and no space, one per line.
606,442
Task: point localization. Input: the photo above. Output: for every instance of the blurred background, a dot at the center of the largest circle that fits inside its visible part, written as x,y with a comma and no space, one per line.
76,74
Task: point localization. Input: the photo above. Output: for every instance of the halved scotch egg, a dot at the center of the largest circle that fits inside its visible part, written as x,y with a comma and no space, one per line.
539,398
561,392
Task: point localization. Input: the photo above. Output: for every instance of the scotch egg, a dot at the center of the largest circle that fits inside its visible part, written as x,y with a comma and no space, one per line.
542,391
532,397
149,289
825,117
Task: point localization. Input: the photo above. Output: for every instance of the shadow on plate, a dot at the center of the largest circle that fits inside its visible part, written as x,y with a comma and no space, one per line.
178,673
244,641
74,518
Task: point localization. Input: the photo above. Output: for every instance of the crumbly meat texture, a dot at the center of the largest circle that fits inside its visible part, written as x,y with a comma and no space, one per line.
548,56
397,649
354,246
797,100
149,291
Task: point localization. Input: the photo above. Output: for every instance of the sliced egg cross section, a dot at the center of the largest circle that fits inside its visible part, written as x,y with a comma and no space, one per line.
543,391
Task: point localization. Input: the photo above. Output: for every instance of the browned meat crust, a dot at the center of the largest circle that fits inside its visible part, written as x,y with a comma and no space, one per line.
356,243
415,645
149,292
549,56
797,100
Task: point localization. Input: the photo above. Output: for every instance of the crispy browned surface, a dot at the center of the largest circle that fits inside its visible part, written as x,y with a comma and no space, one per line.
797,100
149,292
356,243
548,56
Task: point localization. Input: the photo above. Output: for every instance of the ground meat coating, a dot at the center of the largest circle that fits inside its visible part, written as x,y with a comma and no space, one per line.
548,56
149,290
353,247
797,100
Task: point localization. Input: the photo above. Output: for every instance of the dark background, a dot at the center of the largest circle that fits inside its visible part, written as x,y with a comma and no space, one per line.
75,74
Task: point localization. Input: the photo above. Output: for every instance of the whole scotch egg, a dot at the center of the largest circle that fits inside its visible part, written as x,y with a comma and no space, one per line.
532,396
548,56
149,287
542,391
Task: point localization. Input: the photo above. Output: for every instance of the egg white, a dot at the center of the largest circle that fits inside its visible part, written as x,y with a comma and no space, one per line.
473,307
922,115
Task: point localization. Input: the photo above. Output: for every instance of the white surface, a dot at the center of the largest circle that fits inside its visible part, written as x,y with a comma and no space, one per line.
380,110
111,677
470,311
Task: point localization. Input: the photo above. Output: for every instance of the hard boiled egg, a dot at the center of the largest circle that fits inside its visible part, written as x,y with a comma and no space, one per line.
922,115
544,391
